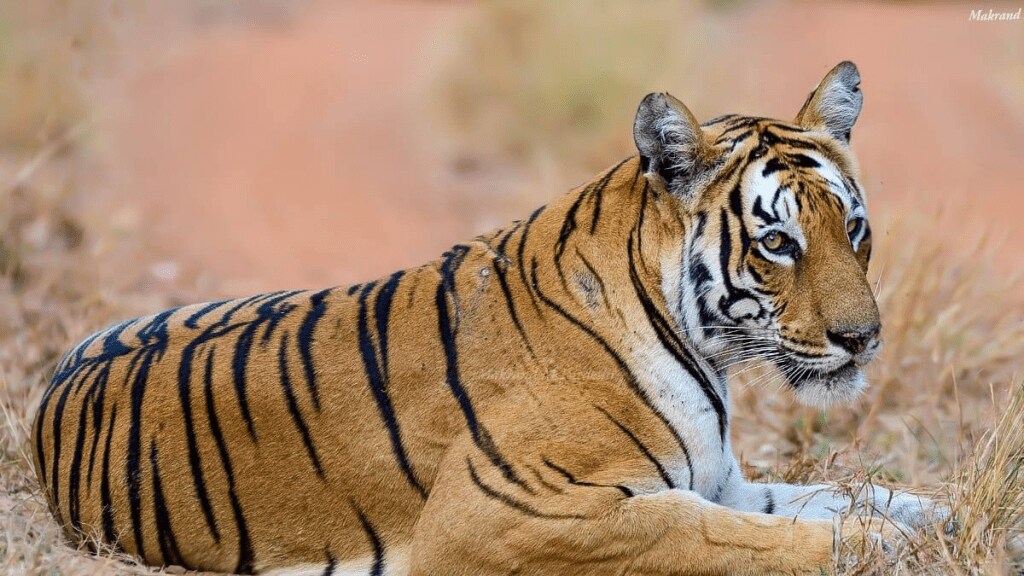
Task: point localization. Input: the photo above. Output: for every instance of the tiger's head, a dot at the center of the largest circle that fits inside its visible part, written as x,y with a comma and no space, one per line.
775,253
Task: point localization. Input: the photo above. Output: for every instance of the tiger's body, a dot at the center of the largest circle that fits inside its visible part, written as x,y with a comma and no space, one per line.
549,398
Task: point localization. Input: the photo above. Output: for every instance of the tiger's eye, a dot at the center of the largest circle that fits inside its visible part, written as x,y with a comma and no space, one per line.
772,241
853,227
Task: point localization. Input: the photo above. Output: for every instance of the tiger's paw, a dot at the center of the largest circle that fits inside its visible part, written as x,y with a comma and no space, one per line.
914,512
877,540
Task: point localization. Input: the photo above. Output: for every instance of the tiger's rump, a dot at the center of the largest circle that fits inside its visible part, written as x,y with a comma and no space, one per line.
199,432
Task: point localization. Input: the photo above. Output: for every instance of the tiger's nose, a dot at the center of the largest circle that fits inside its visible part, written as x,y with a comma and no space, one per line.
854,340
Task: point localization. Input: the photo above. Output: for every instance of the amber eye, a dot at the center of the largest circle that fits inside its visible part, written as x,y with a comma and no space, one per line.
777,243
853,227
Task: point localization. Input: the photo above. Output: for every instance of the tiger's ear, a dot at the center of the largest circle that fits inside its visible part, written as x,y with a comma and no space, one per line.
671,142
835,103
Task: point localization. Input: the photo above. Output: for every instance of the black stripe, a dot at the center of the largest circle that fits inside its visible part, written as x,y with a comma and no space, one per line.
716,495
293,406
775,201
164,531
568,225
245,551
759,211
521,261
599,192
70,379
332,563
501,263
772,166
724,255
190,322
644,450
75,471
58,417
448,334
239,364
510,501
268,313
631,378
718,119
212,332
97,420
382,314
738,122
699,273
736,201
379,386
378,547
641,218
304,339
673,345
802,161
734,139
573,480
194,458
799,144
769,505
732,293
154,340
543,481
73,357
701,226
106,504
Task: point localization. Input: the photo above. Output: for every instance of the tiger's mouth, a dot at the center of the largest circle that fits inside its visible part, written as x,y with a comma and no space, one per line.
815,386
798,373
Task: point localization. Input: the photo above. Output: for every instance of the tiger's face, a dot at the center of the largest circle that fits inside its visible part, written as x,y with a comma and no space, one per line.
775,255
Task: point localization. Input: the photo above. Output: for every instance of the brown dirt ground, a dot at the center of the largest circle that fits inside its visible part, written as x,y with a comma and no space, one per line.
286,153
299,154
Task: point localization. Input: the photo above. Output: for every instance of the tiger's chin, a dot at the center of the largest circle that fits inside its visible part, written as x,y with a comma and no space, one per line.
823,389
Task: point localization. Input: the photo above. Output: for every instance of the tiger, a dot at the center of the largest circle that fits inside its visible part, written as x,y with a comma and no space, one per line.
547,398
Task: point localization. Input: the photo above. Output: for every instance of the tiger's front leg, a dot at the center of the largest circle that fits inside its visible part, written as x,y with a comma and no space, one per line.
820,501
477,521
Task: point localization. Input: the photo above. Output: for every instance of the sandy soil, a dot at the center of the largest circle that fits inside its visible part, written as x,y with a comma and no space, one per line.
285,153
298,153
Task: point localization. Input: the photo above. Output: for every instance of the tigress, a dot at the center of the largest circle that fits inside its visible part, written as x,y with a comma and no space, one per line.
547,398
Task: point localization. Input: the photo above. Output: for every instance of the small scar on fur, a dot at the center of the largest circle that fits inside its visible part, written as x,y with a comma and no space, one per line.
589,287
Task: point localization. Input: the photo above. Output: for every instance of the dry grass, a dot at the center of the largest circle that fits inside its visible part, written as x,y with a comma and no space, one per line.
49,296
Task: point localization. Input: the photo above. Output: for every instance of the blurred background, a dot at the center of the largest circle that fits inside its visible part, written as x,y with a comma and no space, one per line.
268,144
168,152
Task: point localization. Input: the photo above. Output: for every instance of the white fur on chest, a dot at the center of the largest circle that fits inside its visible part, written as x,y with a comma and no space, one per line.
679,398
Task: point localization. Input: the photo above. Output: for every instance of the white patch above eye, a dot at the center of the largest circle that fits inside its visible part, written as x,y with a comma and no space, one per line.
837,181
760,185
773,208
